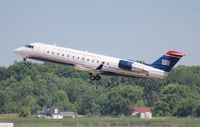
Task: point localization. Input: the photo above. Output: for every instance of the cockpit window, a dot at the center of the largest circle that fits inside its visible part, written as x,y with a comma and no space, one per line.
29,46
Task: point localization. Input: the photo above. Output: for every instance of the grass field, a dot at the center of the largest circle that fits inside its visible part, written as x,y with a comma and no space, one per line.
99,122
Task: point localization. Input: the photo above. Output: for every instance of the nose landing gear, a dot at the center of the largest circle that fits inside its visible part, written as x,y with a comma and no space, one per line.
24,61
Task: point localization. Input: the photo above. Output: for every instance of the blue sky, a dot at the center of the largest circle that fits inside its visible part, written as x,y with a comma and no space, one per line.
134,29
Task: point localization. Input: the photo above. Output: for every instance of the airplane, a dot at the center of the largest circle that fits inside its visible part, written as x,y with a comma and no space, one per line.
97,64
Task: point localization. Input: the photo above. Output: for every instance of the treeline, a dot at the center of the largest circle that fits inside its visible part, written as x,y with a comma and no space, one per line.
30,87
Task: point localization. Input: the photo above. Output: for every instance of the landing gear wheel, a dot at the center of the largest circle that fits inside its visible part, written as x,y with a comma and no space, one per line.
97,77
92,77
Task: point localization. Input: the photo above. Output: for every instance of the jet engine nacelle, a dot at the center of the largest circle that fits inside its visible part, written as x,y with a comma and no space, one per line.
124,64
128,65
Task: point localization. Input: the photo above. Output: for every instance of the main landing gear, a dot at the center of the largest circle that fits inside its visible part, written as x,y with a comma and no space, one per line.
94,77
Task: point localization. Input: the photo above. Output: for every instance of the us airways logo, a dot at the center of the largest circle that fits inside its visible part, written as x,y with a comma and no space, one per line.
165,62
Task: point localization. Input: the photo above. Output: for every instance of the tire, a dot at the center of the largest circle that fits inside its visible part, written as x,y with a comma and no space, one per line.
97,77
92,77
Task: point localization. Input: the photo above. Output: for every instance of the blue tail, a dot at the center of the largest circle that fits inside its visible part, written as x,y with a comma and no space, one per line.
167,61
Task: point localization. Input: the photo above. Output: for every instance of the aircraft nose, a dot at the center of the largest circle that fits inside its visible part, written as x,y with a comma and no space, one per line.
18,51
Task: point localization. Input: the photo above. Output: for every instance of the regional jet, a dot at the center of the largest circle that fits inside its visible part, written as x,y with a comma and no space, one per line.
97,64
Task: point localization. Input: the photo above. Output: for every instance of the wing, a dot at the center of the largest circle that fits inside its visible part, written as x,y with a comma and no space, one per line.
139,69
94,71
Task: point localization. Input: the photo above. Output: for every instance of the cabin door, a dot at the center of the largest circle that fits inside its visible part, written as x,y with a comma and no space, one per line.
41,51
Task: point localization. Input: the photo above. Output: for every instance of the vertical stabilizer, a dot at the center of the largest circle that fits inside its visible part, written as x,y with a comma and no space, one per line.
167,61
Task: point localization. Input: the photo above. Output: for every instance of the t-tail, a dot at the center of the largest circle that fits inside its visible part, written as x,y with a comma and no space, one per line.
167,61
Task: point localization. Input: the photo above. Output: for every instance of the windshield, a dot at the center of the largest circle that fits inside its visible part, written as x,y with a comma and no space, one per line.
29,46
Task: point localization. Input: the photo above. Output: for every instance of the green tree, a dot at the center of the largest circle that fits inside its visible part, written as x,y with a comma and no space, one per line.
121,99
170,96
61,100
196,109
184,107
38,85
25,112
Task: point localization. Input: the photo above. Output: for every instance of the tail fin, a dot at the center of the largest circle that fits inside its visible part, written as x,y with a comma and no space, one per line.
167,61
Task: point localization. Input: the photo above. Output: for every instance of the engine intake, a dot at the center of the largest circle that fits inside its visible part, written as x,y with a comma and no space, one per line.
124,64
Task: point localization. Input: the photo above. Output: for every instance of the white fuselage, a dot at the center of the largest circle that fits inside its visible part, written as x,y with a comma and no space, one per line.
87,61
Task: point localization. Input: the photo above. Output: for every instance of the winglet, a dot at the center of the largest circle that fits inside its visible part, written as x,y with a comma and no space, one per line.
175,53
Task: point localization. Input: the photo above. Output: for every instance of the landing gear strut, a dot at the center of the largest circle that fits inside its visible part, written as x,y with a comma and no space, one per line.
94,77
24,61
